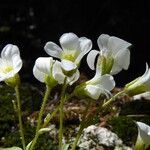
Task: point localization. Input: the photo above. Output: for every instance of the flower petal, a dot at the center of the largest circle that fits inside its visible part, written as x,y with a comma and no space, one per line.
93,91
102,41
107,82
38,74
91,58
121,61
116,44
17,63
44,64
8,51
53,49
69,41
57,72
144,131
68,65
115,69
73,78
85,47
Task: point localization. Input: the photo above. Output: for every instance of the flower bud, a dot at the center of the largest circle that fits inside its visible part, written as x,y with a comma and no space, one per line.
139,85
143,139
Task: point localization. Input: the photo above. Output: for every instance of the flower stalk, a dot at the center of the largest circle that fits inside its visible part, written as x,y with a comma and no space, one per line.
47,93
61,113
82,126
87,120
112,99
20,116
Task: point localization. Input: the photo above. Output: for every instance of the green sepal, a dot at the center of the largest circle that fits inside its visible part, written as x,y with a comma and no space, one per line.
13,81
50,81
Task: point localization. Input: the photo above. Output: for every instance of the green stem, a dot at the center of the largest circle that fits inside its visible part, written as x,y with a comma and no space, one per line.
55,111
61,113
82,126
47,93
89,119
112,99
51,116
19,116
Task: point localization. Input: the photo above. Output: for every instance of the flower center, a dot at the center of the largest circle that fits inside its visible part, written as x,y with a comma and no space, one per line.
6,69
70,55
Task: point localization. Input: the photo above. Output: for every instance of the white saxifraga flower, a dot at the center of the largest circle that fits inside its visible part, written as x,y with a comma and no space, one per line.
143,139
139,85
96,86
114,55
49,71
10,64
72,50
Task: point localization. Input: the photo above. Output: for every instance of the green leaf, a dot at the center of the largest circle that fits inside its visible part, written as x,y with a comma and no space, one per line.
11,148
66,146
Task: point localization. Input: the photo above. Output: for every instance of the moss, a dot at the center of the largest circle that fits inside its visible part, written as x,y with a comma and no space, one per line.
9,134
125,128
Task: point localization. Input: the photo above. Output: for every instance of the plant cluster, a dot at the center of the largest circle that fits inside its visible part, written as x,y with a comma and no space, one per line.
113,56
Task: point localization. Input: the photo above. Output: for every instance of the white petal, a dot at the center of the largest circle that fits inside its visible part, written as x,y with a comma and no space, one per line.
144,131
53,49
116,44
73,78
57,72
69,41
38,74
17,63
8,51
44,64
85,47
3,63
145,78
146,71
5,76
121,61
2,76
115,69
103,41
107,82
68,65
93,91
91,58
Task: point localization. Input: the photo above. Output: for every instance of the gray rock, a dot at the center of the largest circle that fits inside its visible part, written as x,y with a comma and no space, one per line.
95,136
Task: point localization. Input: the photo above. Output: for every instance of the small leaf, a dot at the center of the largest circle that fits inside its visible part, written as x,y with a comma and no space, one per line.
28,146
66,146
43,130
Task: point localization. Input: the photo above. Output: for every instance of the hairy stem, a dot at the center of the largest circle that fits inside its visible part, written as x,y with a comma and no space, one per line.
47,93
20,116
82,126
112,99
61,113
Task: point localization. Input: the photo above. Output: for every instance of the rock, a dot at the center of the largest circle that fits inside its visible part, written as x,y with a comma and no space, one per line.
95,136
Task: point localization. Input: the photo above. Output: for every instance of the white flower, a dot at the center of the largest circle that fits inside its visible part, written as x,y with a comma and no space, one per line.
73,49
10,62
143,139
139,85
42,69
96,86
49,71
113,53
